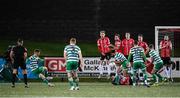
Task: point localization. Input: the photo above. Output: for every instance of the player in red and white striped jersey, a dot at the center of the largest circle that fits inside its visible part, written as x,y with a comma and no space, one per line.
118,47
143,44
103,46
165,53
127,44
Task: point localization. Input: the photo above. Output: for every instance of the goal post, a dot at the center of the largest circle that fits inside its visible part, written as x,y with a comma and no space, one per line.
173,32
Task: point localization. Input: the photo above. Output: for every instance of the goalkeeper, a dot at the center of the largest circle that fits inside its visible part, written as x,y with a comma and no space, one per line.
37,68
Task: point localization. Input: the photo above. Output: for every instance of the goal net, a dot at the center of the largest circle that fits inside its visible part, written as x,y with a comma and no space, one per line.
174,35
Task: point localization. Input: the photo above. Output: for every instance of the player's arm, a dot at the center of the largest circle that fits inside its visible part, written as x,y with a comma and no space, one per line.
25,53
81,59
132,42
118,46
161,45
11,56
151,58
147,48
108,42
122,46
65,56
99,46
130,56
170,45
144,56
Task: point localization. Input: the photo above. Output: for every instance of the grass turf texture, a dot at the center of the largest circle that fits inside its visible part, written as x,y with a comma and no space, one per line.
96,89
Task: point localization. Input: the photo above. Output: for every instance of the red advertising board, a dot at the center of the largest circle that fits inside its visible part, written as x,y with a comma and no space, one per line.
55,64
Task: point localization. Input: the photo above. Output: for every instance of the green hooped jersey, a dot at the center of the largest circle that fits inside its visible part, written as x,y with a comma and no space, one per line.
72,52
155,55
120,57
138,54
33,62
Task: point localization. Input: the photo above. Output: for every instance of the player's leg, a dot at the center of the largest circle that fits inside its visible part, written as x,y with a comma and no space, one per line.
169,65
75,75
118,69
45,80
101,66
127,69
143,69
24,71
156,73
170,73
159,67
76,80
45,73
135,68
14,76
15,67
108,57
40,72
166,69
69,68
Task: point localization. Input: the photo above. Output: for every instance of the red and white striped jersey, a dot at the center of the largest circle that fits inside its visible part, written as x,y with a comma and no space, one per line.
165,47
118,46
143,45
127,45
103,45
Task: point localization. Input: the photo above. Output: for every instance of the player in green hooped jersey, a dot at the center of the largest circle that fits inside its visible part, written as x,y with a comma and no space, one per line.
158,64
37,68
72,56
122,64
139,57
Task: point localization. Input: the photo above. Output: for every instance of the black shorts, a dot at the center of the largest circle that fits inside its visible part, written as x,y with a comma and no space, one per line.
20,64
107,56
166,60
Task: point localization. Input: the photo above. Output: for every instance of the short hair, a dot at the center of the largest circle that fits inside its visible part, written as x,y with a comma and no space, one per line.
151,46
73,40
117,35
103,31
166,35
127,33
36,50
140,35
135,42
19,40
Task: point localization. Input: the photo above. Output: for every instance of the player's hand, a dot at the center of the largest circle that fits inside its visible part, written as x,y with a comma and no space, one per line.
64,64
12,61
103,53
81,66
129,65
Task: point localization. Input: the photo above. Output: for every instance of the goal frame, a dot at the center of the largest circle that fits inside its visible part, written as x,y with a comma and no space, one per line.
157,33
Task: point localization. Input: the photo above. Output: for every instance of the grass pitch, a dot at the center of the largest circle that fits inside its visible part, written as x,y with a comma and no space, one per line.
95,89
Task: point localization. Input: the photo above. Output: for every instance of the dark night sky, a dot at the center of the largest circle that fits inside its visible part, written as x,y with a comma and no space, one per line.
58,19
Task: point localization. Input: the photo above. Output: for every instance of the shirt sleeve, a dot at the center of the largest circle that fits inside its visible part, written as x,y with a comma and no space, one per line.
65,49
108,41
146,46
98,43
25,50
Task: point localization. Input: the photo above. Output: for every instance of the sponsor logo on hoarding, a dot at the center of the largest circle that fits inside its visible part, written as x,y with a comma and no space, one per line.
55,64
91,65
